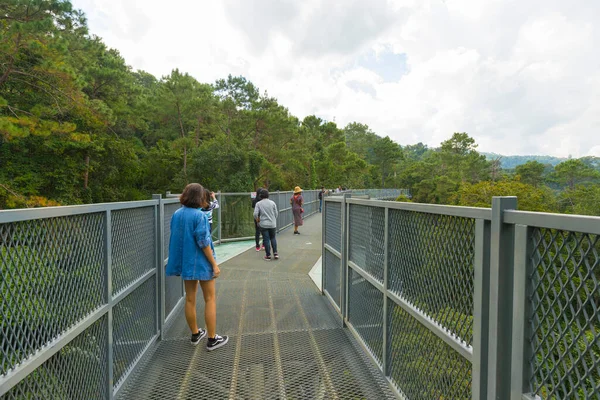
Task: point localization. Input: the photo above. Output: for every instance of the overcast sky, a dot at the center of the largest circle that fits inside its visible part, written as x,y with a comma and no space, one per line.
520,76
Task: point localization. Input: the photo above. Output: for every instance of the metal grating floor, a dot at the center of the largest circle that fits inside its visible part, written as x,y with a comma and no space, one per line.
286,342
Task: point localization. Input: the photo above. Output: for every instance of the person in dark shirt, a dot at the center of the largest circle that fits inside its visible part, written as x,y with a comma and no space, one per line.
321,194
255,200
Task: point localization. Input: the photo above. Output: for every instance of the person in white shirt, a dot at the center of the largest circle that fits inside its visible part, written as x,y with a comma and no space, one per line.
265,214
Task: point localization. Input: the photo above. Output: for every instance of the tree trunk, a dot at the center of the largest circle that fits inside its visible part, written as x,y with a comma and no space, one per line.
86,174
184,145
185,162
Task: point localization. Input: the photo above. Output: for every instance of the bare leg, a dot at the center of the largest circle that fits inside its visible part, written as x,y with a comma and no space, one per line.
210,306
191,288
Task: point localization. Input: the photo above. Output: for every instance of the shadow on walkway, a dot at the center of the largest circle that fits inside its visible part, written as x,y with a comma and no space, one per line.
286,342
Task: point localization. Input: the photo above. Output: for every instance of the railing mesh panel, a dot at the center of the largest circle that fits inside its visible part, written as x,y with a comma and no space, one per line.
52,276
133,245
333,266
366,312
431,265
286,216
77,371
311,203
134,326
333,225
565,321
367,234
422,366
173,292
169,210
237,214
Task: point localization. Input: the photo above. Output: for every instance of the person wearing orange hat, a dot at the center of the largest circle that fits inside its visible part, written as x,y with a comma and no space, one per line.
297,201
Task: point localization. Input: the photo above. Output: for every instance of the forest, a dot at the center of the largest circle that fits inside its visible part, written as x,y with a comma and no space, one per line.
78,125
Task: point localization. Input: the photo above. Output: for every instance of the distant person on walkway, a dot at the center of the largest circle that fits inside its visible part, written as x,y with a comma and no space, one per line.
297,201
213,204
192,256
265,215
321,194
255,200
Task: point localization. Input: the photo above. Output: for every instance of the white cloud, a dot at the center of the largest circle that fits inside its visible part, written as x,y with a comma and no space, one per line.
520,77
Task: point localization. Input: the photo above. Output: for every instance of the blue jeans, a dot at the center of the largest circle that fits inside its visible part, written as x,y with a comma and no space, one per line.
257,230
320,204
269,239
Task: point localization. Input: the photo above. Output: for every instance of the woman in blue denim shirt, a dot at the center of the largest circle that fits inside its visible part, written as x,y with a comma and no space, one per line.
192,256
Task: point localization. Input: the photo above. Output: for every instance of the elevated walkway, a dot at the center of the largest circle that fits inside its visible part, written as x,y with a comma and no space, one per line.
286,342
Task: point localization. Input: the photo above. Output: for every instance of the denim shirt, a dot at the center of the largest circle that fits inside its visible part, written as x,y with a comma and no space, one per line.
189,235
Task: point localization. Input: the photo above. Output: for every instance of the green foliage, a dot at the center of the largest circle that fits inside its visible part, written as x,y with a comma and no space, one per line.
78,125
583,199
531,172
573,172
529,197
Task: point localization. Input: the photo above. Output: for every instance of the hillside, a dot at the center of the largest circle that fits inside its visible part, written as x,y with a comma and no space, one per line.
510,162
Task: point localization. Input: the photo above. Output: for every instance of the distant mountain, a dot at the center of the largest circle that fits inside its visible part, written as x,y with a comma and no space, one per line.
510,162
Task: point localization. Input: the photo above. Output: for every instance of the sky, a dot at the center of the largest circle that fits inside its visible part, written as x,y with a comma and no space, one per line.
521,77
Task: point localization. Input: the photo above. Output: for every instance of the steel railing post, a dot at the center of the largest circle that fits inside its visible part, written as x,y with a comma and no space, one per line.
108,284
522,352
160,273
323,239
344,284
386,343
220,215
500,300
481,308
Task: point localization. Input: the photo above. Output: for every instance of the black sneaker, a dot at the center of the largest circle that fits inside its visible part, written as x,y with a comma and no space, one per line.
276,256
296,233
196,338
217,342
267,258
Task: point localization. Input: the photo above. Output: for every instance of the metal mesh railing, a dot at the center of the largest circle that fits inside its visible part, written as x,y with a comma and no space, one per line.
333,225
366,231
78,371
422,366
170,206
173,286
409,272
73,281
376,194
456,302
365,311
236,212
565,319
134,327
332,250
431,266
52,277
332,266
133,240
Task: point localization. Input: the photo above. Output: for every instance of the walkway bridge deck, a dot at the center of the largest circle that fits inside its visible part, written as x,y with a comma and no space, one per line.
286,342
